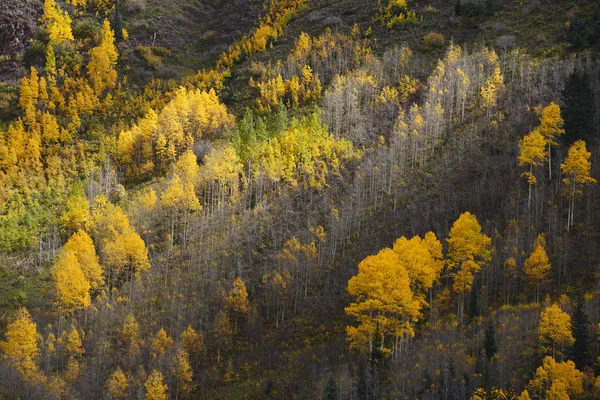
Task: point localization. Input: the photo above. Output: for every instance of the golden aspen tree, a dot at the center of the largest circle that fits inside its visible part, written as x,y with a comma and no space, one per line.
82,246
537,265
155,387
182,372
76,213
29,95
468,249
117,385
551,127
74,344
101,69
383,300
130,331
238,297
555,328
422,259
20,348
576,171
532,153
72,289
57,23
123,251
161,343
524,395
51,132
556,381
192,342
187,168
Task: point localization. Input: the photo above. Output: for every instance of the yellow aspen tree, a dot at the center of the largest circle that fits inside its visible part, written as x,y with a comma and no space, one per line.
237,300
524,395
468,249
555,328
180,201
576,171
161,343
383,300
117,385
72,289
537,265
76,213
57,23
20,348
50,130
155,387
192,342
238,297
182,372
556,381
532,153
551,127
101,69
130,331
187,168
82,245
74,344
29,95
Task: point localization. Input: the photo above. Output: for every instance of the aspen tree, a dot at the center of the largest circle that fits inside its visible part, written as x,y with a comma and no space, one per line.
57,23
468,249
556,380
117,385
532,153
82,246
72,288
537,265
20,348
551,127
101,68
576,171
555,328
182,372
155,387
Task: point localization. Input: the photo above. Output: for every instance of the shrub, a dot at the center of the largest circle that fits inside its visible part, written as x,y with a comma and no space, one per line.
433,39
35,54
87,28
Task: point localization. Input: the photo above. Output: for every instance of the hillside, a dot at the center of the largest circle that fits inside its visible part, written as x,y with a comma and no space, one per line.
299,199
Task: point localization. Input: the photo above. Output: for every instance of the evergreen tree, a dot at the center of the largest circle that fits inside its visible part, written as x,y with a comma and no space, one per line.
473,312
579,109
490,7
457,10
362,390
580,350
331,390
117,25
489,342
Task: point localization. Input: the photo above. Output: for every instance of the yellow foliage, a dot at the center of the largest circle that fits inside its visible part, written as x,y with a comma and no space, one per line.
422,259
57,23
576,167
82,246
556,380
238,297
180,196
74,345
383,298
20,348
155,388
76,213
101,69
537,264
182,371
71,285
551,123
468,249
161,343
117,385
192,341
555,327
